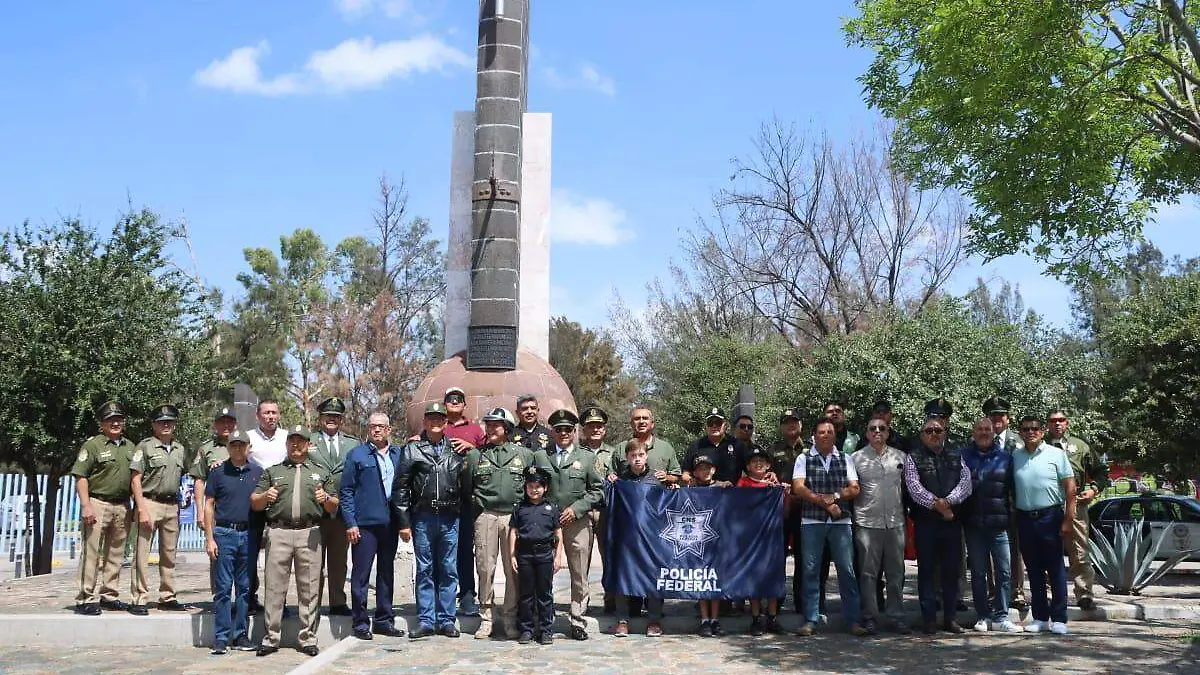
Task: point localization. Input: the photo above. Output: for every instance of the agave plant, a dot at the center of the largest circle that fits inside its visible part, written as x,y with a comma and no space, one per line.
1123,566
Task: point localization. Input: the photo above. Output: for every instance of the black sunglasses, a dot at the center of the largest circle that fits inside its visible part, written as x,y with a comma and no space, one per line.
877,427
455,399
933,431
746,427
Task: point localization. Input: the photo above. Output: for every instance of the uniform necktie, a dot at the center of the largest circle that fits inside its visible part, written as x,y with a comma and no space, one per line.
296,494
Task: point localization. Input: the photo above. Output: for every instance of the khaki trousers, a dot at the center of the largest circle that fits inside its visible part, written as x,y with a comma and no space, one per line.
577,540
333,537
301,551
1083,575
164,519
103,552
491,540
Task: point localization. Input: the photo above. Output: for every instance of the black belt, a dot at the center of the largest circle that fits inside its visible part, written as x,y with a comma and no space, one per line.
112,500
543,546
164,499
302,524
1038,513
230,525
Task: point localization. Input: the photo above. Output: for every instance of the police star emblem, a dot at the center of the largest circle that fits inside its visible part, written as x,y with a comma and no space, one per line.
689,530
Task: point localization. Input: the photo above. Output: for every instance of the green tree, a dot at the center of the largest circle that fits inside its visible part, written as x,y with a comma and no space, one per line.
84,319
1065,122
589,363
1151,386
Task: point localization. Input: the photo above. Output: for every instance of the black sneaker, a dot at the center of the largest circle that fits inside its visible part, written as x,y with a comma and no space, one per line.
310,650
266,650
219,648
422,631
773,626
578,633
450,630
138,610
525,638
389,631
87,609
705,629
363,634
545,639
172,606
242,644
716,628
756,626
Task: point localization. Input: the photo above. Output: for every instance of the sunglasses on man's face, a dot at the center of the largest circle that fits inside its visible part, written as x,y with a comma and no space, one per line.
563,430
877,428
455,399
933,431
746,427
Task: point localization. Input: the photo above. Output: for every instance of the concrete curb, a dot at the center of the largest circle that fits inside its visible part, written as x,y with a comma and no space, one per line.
327,657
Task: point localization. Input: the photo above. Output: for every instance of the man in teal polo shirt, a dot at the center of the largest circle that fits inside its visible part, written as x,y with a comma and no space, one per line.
1044,486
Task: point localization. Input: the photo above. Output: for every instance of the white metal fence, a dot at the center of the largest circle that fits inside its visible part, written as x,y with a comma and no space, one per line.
14,508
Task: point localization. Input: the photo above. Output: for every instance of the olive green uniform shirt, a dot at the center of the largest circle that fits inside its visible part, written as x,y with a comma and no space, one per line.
604,458
161,470
496,475
105,464
332,456
783,457
211,452
1089,469
297,490
660,456
574,483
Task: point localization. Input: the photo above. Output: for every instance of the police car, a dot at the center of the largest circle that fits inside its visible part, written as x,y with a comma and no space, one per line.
1176,518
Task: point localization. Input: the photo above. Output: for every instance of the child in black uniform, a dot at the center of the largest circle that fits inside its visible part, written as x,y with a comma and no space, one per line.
537,554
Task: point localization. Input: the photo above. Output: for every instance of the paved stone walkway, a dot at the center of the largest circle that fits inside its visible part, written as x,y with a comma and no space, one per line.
142,660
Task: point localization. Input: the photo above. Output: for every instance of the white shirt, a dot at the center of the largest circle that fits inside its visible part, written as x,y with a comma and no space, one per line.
266,451
800,470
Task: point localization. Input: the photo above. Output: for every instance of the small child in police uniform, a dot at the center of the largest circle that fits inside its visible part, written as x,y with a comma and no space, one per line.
758,474
704,473
537,554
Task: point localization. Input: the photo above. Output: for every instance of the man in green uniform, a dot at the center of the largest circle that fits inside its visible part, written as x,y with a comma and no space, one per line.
784,452
496,479
102,481
1091,476
294,495
529,432
210,455
576,488
157,469
660,454
331,445
595,429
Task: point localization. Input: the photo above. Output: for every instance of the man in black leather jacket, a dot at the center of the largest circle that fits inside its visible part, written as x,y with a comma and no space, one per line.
427,496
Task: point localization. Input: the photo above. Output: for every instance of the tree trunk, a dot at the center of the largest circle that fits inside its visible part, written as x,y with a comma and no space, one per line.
43,558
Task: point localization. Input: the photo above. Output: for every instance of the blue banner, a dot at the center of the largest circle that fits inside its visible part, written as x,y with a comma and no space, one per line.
694,543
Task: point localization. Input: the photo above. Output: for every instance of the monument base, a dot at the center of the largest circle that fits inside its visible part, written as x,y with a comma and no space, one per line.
492,389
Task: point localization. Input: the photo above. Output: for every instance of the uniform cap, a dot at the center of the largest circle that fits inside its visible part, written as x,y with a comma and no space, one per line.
501,415
757,451
332,406
454,390
109,409
562,418
703,459
788,414
435,408
714,412
223,413
594,414
238,436
939,407
537,474
298,430
995,406
165,413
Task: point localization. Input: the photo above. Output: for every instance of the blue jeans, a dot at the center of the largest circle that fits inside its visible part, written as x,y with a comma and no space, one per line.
231,570
840,538
1042,548
986,544
435,542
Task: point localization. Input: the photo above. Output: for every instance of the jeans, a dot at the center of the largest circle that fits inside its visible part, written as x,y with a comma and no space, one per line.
984,545
1042,549
840,539
435,543
376,546
231,571
939,561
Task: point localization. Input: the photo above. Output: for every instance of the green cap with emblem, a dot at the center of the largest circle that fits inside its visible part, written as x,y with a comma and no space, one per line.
224,413
939,407
995,406
435,408
332,406
165,413
562,418
238,436
594,413
109,409
301,431
788,414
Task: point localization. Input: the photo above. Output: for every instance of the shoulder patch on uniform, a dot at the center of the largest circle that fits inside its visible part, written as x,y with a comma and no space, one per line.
82,456
137,456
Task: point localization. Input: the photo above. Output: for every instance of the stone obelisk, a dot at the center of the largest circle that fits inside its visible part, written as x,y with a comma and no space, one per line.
497,313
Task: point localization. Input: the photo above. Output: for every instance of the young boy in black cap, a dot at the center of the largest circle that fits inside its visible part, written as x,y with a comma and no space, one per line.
704,472
537,554
758,474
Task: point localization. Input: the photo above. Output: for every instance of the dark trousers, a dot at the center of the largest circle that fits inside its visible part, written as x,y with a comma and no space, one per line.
939,559
791,529
535,578
466,552
258,523
1042,548
377,544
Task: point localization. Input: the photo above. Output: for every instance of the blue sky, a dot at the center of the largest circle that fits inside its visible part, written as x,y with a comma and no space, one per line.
253,119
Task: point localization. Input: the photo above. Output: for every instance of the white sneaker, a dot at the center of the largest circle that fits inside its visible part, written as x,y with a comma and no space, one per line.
1007,626
1037,627
981,626
1058,628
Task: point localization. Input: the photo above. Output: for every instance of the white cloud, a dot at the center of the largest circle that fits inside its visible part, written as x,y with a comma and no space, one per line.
392,9
586,78
353,64
587,220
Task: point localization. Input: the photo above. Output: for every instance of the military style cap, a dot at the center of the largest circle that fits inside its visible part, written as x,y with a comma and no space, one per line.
757,451
332,406
435,408
109,409
501,415
298,430
453,391
526,397
882,405
537,474
594,414
788,414
238,436
223,413
703,459
995,406
562,418
165,413
714,412
939,407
